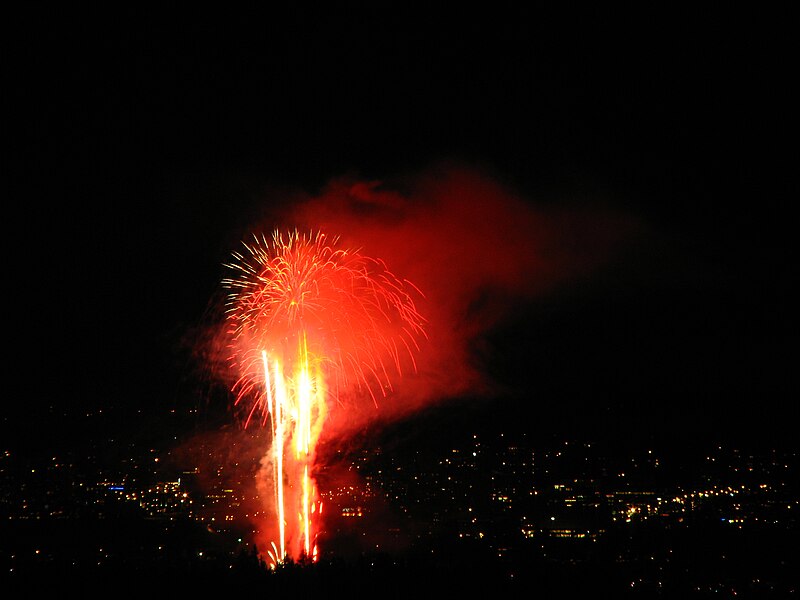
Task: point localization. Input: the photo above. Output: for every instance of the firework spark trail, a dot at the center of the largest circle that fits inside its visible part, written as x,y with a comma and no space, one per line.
302,313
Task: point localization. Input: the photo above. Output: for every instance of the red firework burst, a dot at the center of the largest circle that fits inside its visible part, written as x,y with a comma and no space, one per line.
307,321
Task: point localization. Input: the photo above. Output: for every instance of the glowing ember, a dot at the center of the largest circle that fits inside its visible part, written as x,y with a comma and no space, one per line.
305,316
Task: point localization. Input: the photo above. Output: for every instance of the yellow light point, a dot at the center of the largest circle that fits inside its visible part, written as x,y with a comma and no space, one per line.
267,384
280,399
306,519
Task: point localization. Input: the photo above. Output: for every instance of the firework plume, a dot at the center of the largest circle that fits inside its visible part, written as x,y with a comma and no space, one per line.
309,322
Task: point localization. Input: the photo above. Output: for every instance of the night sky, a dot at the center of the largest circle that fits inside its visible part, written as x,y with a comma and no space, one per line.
143,144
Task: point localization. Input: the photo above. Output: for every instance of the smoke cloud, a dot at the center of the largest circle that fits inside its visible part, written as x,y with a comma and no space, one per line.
477,251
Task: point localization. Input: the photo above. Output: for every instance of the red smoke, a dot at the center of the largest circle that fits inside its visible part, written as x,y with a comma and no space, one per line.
475,249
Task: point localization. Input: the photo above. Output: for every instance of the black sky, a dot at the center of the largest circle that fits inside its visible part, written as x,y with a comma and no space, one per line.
142,143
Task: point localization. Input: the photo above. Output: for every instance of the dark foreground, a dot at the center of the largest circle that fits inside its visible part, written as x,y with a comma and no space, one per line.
704,561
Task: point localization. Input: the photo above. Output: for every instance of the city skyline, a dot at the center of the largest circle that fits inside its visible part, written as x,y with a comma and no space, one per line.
508,502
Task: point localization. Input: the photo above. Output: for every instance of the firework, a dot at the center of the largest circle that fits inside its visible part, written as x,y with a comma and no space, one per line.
309,322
